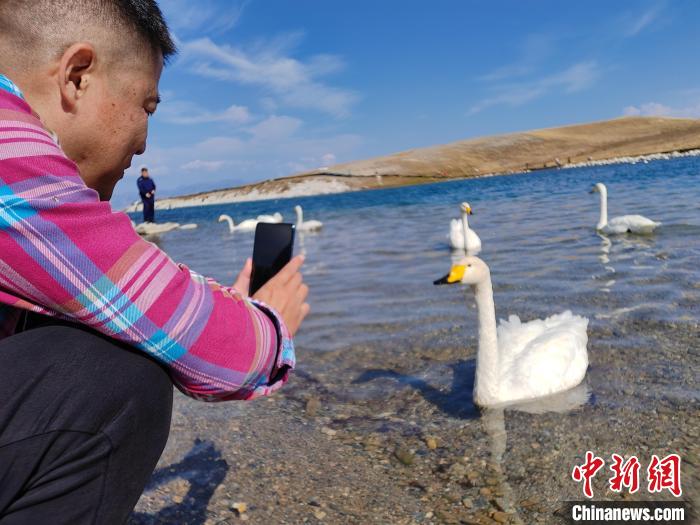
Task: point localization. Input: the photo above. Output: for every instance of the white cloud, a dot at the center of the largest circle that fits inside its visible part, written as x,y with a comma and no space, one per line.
203,165
181,112
328,159
534,49
185,16
275,128
636,24
289,81
655,109
575,78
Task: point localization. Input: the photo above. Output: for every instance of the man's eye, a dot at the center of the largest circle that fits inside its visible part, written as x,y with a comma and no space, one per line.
149,113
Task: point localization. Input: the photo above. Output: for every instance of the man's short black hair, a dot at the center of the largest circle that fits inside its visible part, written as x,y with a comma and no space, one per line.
37,30
147,20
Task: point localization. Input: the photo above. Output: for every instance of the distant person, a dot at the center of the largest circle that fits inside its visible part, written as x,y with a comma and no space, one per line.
97,324
147,190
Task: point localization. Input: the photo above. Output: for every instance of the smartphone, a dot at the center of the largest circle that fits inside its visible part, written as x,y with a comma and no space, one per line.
272,249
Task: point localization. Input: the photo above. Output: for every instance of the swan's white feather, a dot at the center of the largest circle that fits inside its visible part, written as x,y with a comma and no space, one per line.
274,218
541,357
457,237
630,223
155,228
308,226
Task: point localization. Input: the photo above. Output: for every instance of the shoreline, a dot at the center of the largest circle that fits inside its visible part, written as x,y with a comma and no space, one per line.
329,184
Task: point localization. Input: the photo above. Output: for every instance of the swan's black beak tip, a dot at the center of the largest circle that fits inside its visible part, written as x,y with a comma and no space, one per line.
442,280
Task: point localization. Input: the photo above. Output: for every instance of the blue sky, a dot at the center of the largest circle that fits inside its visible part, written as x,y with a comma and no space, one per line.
267,88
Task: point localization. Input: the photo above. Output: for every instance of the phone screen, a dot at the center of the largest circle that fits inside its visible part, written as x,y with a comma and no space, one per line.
272,250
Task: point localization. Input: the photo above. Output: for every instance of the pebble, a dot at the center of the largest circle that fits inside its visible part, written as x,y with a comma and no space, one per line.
467,503
313,404
431,442
500,517
485,491
529,502
319,514
239,507
457,470
405,456
328,431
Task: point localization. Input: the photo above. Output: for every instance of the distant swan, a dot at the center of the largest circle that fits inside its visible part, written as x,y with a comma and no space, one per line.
247,225
623,224
308,225
461,236
519,361
154,228
275,217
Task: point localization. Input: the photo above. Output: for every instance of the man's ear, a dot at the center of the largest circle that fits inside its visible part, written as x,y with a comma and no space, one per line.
76,69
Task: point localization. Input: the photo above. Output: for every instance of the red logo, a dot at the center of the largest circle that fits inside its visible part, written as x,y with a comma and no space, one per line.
586,472
625,474
661,474
665,474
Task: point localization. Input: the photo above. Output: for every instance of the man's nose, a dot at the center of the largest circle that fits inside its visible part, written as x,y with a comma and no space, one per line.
141,150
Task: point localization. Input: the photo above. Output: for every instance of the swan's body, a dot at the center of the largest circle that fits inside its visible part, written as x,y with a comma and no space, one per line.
518,361
247,225
306,226
623,224
275,218
461,236
155,228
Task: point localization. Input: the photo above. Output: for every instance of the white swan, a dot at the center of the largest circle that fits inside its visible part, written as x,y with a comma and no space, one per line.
461,236
624,224
519,361
247,225
275,218
155,228
307,226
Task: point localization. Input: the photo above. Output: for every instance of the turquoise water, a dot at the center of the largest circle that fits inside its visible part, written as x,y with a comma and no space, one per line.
371,267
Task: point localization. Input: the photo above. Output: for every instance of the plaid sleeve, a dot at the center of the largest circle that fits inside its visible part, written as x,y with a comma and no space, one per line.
65,253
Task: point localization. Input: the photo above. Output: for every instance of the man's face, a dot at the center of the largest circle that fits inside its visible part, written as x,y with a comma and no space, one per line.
144,173
114,123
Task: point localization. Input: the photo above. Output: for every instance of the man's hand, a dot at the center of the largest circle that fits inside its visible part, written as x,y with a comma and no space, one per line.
286,293
242,283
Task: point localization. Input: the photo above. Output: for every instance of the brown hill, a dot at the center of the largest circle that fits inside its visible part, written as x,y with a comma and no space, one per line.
499,154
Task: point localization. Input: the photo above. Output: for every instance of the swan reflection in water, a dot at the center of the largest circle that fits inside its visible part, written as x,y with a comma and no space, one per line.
493,419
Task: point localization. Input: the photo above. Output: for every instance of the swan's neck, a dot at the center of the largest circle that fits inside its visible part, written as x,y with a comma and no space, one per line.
229,221
486,387
300,216
465,228
603,209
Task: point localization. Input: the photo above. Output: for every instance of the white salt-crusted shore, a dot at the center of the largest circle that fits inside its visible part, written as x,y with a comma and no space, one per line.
313,186
303,188
635,160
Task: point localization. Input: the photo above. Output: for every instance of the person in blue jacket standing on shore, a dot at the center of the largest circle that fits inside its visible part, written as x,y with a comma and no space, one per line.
147,190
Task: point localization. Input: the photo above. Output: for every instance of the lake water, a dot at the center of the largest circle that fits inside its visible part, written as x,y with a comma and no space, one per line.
371,268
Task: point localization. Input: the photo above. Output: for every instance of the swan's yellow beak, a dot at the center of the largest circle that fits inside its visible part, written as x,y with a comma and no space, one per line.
455,275
467,210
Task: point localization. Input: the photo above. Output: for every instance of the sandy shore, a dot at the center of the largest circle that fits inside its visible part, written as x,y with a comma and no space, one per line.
630,139
366,435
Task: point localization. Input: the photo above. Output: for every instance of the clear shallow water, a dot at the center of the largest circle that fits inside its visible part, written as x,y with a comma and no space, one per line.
390,355
371,268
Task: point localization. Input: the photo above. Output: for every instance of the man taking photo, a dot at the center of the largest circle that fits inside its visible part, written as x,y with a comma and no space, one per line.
147,191
96,325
